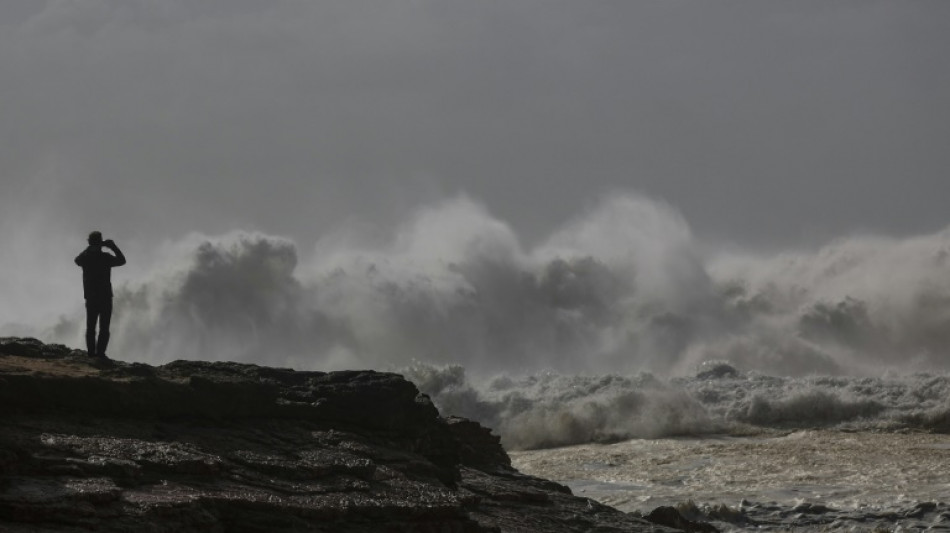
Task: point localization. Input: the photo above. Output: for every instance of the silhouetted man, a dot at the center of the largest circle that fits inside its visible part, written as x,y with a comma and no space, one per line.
97,288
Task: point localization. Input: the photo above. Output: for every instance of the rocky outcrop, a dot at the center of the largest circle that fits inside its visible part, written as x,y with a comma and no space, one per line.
669,516
201,446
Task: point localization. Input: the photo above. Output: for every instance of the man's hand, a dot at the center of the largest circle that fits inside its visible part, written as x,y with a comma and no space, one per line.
109,243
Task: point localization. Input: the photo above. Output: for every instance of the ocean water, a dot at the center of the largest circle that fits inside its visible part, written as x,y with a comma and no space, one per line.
552,410
744,450
803,480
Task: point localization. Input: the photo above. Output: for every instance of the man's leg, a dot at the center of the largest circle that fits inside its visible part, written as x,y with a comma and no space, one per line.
92,316
105,320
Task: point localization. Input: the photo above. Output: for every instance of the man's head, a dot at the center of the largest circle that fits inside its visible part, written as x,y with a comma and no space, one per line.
95,238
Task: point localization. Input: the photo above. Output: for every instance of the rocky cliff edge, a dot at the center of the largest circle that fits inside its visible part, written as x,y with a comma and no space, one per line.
218,446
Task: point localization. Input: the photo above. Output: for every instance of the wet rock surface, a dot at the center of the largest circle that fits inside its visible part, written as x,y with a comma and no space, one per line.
670,516
199,446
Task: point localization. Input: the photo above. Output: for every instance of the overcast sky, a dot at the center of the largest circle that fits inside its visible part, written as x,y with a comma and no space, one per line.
765,123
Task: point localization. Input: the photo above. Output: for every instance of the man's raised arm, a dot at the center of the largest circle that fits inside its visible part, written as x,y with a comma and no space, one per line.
119,256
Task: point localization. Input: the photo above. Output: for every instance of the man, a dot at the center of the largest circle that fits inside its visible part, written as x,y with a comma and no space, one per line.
97,289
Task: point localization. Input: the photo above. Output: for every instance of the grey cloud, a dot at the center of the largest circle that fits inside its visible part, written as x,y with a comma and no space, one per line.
763,122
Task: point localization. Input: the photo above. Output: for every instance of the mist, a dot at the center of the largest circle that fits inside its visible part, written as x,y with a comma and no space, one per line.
624,287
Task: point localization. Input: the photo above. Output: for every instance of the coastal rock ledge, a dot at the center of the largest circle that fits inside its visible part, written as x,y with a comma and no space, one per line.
219,446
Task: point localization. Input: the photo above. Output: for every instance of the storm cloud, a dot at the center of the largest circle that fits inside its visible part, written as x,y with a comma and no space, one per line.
764,123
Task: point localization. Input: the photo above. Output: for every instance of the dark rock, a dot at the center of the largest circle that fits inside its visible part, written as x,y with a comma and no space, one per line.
478,447
921,509
670,517
202,446
811,508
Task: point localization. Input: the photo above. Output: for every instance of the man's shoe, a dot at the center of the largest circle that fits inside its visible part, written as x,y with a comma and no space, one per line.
101,361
